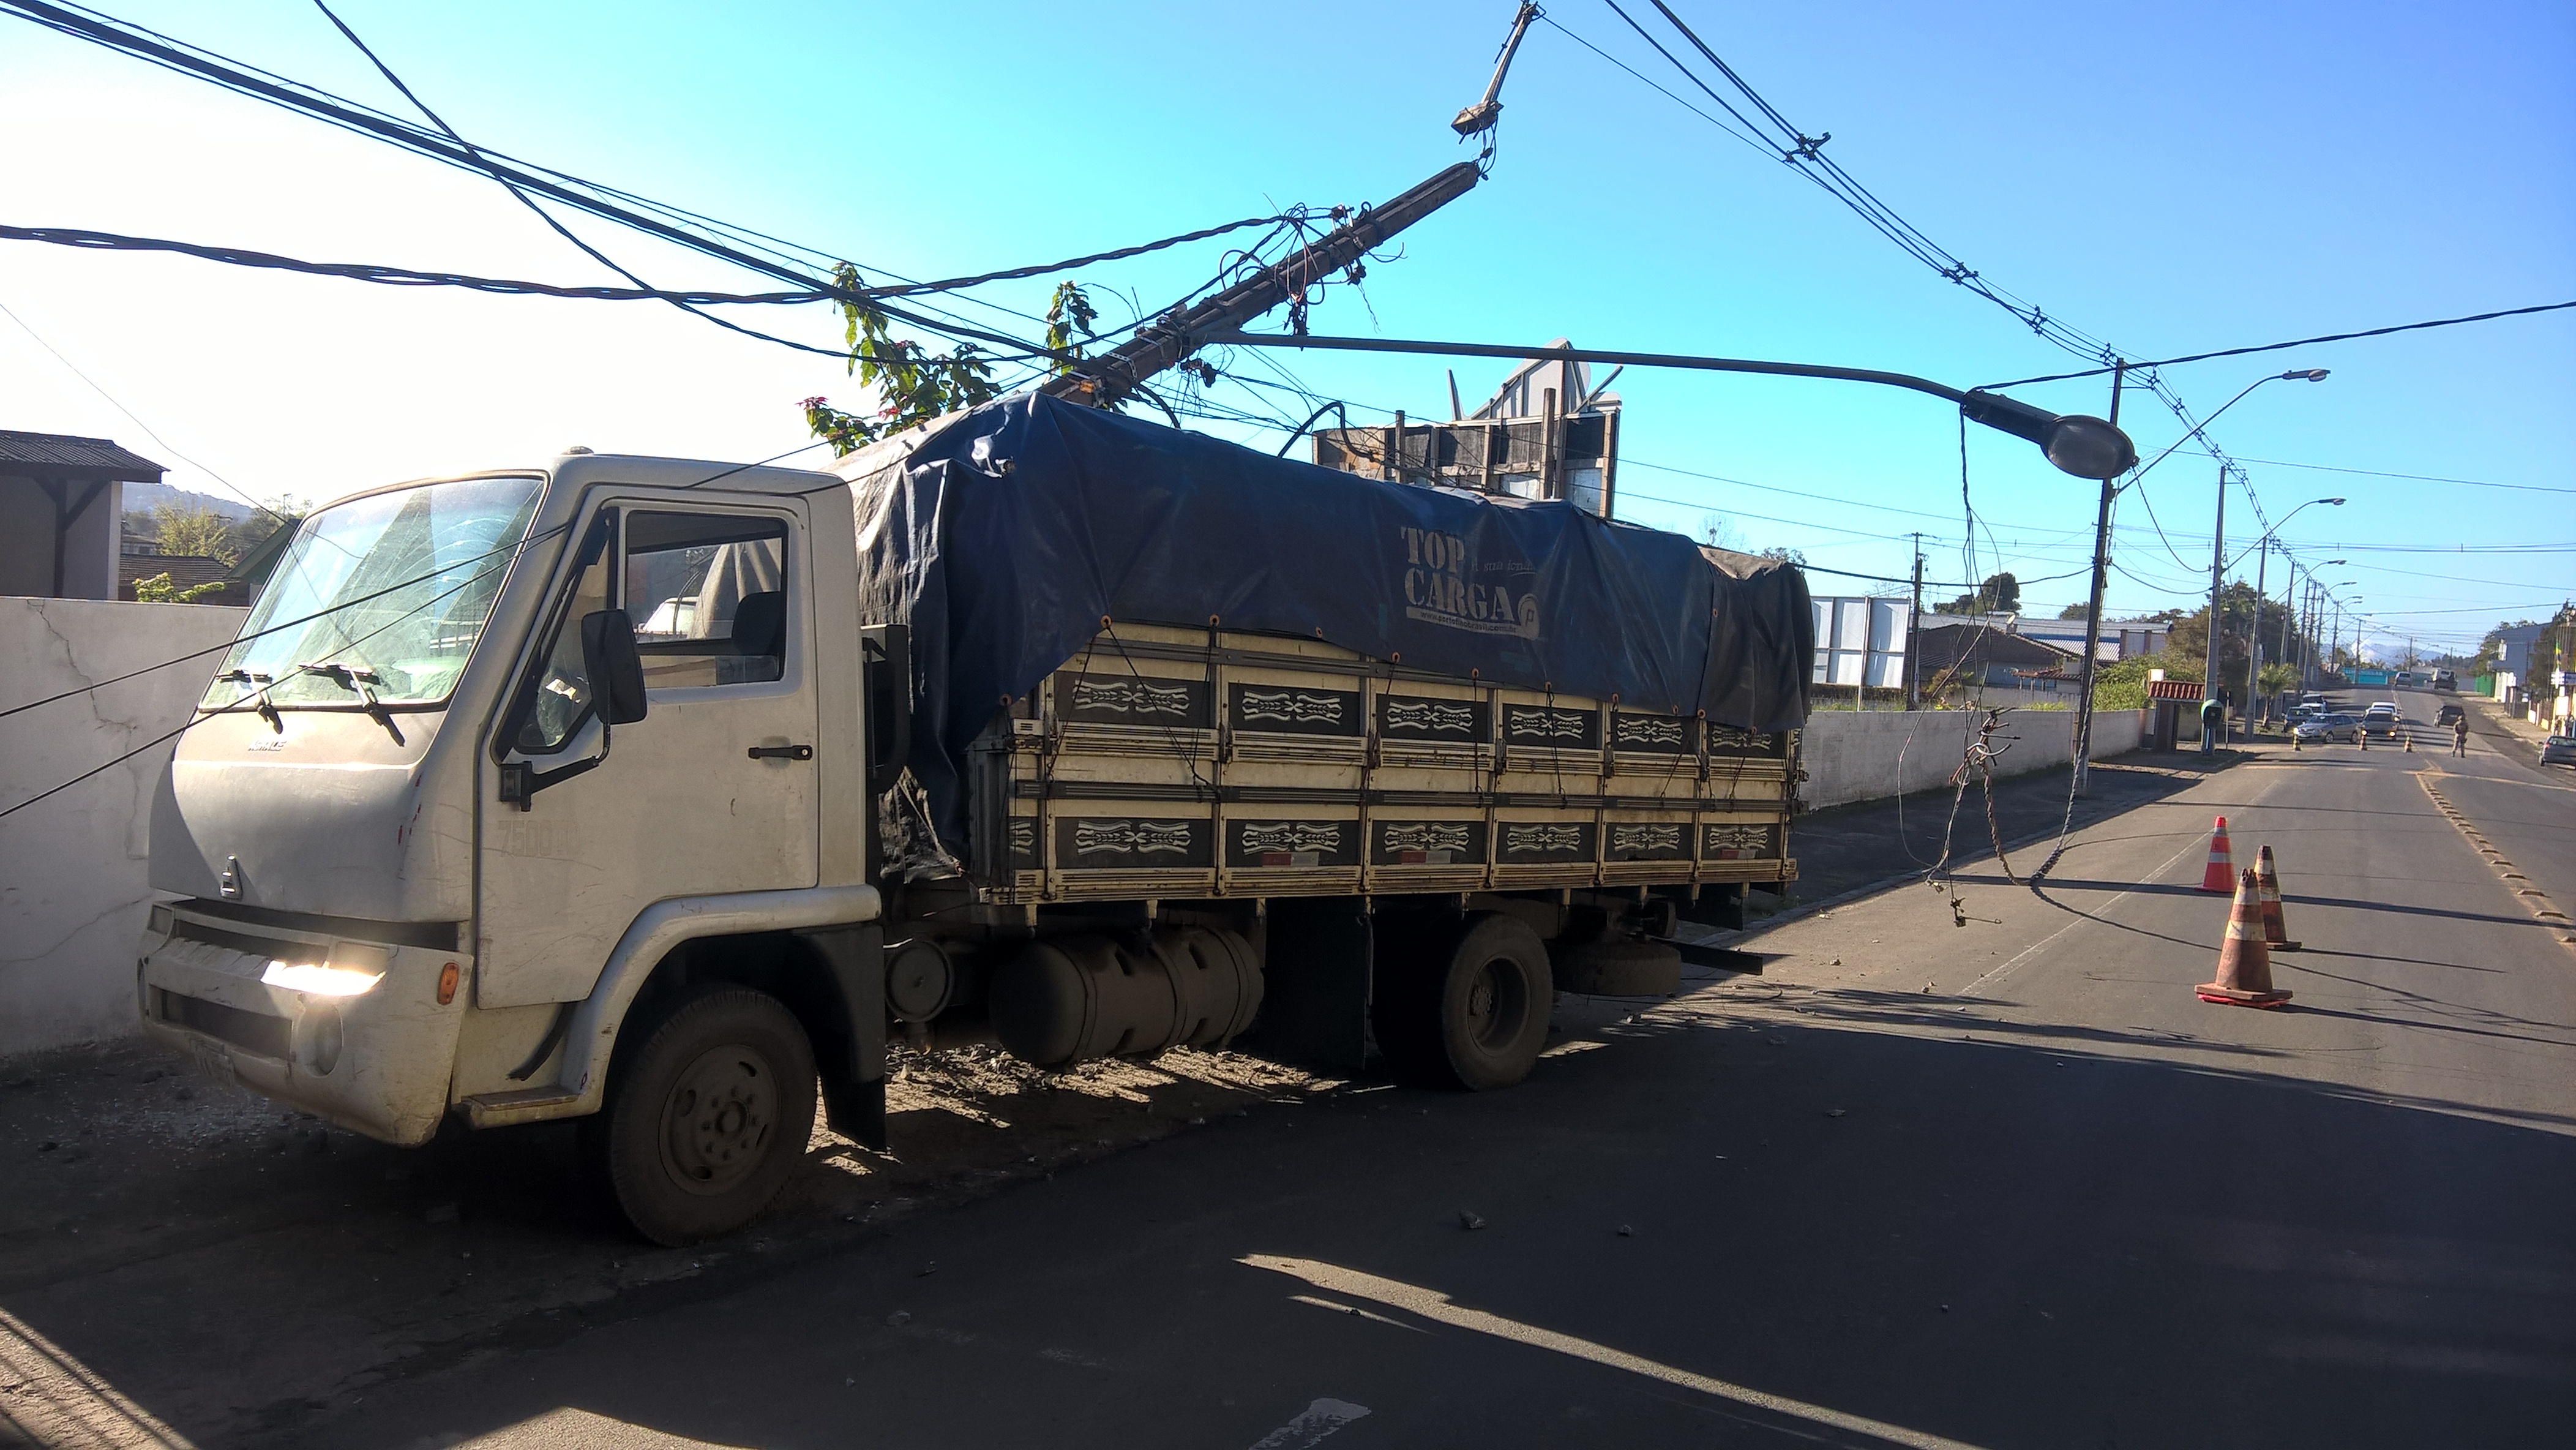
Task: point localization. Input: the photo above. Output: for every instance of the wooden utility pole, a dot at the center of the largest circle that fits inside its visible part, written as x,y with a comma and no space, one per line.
2093,620
1914,631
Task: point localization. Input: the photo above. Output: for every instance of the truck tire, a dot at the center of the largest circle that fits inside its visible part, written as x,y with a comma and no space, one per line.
707,1118
1473,1016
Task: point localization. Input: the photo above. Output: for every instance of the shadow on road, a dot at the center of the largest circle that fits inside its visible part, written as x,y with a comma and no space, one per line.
1861,1223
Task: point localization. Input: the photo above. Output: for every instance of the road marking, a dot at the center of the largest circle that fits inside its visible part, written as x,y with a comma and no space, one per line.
1435,1306
2533,899
1317,1420
2045,942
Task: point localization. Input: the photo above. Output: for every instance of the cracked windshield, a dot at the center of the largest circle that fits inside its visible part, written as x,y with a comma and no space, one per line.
407,578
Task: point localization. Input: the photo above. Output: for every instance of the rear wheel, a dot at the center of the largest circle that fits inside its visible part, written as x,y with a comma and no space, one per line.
1473,1016
707,1118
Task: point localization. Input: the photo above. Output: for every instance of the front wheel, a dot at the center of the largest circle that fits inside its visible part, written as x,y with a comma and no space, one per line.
706,1120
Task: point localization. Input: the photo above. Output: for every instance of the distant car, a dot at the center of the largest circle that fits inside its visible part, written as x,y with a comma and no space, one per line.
2308,709
2330,726
2558,750
2449,715
2445,680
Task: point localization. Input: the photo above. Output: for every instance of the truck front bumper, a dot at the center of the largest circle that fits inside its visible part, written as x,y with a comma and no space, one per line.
351,1031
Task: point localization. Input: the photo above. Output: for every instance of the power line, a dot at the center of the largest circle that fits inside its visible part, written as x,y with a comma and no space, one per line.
2302,342
138,421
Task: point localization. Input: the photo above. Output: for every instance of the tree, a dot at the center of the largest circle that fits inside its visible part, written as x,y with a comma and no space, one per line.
915,385
162,589
200,532
1784,555
252,529
2075,611
2000,594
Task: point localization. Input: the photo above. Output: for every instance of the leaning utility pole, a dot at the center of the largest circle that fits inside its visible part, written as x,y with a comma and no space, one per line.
2217,573
1113,375
1166,340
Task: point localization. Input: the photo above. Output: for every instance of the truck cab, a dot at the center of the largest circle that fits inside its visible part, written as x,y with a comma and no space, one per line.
490,751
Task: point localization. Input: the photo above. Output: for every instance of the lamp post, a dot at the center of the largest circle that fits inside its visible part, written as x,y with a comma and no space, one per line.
2218,543
2254,631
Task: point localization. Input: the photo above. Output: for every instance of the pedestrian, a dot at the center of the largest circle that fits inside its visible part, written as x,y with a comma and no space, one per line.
2460,737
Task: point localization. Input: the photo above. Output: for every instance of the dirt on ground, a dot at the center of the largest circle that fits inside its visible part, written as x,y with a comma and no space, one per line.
230,1267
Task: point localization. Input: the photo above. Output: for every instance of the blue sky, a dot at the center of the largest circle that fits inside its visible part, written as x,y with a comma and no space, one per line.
2172,178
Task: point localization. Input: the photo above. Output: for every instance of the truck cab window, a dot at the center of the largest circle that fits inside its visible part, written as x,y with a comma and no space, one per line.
708,594
562,701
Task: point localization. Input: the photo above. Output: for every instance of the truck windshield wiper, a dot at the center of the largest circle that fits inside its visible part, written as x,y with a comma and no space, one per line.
259,684
359,682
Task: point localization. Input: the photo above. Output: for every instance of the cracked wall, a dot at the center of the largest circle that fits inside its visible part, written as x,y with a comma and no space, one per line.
1861,755
74,868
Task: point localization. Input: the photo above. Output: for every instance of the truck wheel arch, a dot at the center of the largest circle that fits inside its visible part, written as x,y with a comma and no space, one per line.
834,924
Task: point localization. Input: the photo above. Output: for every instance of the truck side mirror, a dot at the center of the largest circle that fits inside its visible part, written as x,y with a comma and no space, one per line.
616,670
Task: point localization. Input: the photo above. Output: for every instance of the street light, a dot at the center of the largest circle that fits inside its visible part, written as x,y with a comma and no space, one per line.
2083,446
2254,633
2218,543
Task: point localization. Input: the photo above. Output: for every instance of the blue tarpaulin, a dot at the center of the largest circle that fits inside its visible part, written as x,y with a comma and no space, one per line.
1003,536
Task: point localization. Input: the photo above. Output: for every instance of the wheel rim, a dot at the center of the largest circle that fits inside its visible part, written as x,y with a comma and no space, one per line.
1496,1003
718,1119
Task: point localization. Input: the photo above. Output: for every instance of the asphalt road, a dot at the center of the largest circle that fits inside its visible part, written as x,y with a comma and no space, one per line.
1984,1174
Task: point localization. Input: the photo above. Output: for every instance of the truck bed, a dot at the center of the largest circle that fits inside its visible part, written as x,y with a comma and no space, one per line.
1194,764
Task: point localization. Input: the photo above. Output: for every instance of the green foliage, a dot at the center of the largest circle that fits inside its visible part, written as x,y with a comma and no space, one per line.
198,532
2000,594
914,385
1069,313
162,589
2074,611
2122,685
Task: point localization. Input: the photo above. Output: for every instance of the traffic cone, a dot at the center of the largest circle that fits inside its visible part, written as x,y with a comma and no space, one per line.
2294,737
2276,933
2220,873
2244,962
2410,744
2360,737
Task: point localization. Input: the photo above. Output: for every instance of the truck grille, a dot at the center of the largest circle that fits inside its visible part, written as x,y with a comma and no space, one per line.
250,1031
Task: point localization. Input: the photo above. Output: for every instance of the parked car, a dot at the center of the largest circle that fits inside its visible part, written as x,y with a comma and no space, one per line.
2317,729
2558,750
2449,715
2308,709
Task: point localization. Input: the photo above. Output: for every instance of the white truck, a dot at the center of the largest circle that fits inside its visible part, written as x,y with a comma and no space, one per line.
638,791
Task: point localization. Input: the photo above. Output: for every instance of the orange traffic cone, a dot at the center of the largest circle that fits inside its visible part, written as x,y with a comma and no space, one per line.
2360,738
2410,742
2244,964
2220,873
2276,933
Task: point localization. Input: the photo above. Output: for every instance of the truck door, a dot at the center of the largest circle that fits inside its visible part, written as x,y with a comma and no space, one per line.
714,790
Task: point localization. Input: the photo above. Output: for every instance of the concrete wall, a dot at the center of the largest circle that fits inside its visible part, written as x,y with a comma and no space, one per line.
73,867
1858,755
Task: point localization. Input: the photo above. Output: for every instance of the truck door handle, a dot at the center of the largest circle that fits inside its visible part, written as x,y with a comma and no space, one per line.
782,752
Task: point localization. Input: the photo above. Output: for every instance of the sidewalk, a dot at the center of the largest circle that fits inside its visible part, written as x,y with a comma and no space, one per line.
1882,843
2513,725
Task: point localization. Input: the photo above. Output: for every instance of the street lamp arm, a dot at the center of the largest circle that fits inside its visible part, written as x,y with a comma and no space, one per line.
2085,447
2311,375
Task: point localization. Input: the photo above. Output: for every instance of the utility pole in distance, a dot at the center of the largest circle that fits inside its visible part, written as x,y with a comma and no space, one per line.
1914,631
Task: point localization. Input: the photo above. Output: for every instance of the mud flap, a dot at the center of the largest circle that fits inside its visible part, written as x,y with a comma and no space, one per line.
1315,984
854,1065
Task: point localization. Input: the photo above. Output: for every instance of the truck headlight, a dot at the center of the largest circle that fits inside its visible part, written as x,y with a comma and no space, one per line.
319,979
